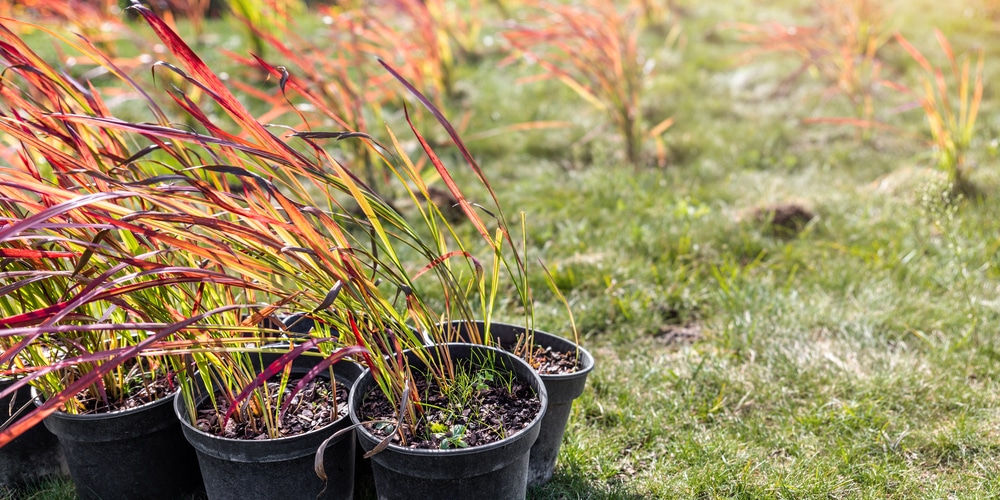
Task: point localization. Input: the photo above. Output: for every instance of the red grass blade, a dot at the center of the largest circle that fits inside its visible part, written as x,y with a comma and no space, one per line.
948,52
452,133
10,231
271,370
914,53
334,357
20,253
438,261
449,181
52,404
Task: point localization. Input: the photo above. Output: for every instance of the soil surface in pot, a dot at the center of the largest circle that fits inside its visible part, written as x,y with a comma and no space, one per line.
145,392
550,362
313,407
544,360
490,410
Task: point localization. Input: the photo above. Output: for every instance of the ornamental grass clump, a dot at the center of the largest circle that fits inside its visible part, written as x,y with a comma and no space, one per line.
841,49
593,49
250,220
951,108
79,312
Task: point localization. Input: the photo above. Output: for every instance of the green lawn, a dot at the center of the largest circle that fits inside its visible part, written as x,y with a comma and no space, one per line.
855,358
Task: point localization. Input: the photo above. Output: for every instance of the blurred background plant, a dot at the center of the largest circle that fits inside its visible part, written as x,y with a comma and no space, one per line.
844,49
101,22
950,109
593,49
841,49
265,17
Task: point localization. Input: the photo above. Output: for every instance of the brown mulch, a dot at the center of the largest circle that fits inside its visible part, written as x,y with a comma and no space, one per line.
312,408
492,413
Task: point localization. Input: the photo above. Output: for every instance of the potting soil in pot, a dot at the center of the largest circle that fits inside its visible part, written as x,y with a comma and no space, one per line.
492,409
312,408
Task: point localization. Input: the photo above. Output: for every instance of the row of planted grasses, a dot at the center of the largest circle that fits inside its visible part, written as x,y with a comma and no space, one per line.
594,49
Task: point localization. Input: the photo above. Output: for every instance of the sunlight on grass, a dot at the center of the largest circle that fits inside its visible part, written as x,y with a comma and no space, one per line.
851,356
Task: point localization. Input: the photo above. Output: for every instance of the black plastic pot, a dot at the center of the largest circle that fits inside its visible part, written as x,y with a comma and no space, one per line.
562,389
135,453
34,454
276,468
498,471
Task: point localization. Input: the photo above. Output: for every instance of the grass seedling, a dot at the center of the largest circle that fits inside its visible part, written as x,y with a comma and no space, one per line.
473,386
841,49
951,114
593,49
455,439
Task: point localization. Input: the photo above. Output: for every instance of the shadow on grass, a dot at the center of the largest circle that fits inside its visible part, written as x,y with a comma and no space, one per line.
58,488
49,488
564,485
572,484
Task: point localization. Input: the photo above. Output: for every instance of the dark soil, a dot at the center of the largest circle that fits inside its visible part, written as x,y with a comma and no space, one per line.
147,393
312,408
544,360
787,219
549,362
490,415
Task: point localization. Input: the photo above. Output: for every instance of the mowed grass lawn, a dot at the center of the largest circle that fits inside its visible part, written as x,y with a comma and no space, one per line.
853,356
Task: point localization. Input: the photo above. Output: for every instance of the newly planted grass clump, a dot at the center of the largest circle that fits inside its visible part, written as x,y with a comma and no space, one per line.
783,311
470,415
951,118
593,49
841,48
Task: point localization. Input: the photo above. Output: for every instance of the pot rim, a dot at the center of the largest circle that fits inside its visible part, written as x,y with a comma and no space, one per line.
587,359
188,426
540,390
38,399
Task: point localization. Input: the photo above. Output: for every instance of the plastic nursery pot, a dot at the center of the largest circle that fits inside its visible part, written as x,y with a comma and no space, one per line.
562,389
276,468
498,470
134,453
34,454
